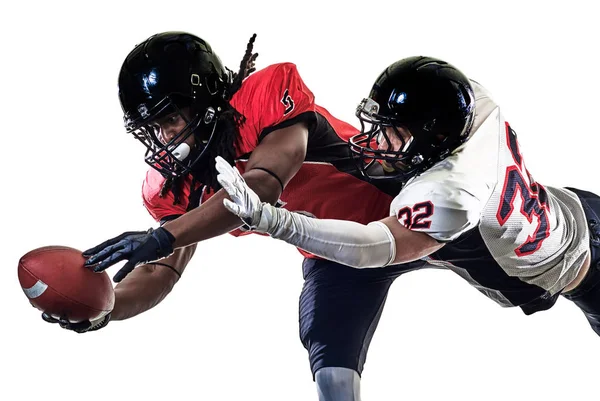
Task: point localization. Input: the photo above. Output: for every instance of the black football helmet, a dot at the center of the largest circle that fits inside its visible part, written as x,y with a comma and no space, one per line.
162,75
431,99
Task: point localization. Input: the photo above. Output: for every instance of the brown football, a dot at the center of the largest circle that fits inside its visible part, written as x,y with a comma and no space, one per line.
56,282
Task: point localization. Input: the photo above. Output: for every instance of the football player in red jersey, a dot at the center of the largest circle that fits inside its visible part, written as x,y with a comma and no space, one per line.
468,204
187,109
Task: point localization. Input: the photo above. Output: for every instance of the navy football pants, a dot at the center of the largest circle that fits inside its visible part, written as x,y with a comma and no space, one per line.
340,308
587,295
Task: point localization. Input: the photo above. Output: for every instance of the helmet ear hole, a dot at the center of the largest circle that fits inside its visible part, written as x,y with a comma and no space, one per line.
214,83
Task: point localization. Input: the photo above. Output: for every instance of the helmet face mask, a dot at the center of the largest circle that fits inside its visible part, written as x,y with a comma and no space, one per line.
419,110
383,140
176,155
163,76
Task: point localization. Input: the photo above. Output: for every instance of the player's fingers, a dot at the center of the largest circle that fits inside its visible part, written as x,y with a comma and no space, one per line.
237,175
227,176
49,318
80,327
221,165
124,271
233,192
245,191
231,187
230,172
225,183
107,243
109,261
227,172
89,252
106,253
232,207
225,169
231,180
64,322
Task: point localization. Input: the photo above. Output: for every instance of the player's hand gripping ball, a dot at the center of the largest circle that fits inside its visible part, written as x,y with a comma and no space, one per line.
55,281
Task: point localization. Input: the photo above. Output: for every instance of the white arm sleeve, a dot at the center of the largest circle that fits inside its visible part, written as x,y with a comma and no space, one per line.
346,242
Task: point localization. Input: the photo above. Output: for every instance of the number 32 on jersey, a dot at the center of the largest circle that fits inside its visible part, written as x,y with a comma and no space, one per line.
416,216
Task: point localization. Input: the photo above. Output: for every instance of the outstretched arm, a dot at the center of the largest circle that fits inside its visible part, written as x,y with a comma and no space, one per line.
142,290
373,245
281,153
272,164
149,284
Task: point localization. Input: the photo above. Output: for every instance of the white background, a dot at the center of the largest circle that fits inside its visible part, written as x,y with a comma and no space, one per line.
229,331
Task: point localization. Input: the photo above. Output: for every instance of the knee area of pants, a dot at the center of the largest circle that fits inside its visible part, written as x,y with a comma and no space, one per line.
338,384
336,376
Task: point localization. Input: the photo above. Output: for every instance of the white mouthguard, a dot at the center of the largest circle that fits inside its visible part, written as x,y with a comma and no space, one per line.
181,151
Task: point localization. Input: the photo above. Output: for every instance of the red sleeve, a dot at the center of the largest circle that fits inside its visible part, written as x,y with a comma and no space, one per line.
158,207
286,98
270,99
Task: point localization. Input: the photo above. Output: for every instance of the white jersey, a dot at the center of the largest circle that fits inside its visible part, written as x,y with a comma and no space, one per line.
534,234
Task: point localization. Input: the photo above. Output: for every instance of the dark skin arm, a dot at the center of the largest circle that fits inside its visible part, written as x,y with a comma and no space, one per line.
282,152
148,285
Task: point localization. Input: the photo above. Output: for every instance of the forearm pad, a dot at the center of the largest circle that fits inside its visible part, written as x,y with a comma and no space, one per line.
346,242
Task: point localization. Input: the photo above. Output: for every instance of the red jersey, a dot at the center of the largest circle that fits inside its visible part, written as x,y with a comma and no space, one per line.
327,185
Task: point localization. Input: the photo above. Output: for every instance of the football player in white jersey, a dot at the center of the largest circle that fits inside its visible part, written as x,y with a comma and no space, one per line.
468,203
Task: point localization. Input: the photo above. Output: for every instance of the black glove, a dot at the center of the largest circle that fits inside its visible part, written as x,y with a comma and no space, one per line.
79,327
138,247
